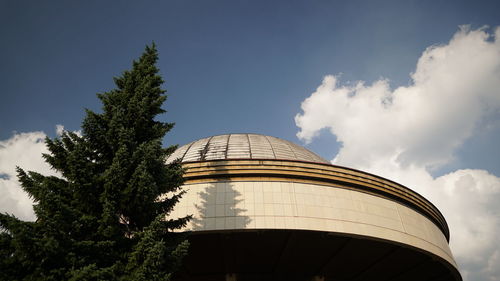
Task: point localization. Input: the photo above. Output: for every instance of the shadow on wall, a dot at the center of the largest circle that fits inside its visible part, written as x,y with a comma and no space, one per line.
220,208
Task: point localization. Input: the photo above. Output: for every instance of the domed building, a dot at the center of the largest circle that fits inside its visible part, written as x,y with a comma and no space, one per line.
268,209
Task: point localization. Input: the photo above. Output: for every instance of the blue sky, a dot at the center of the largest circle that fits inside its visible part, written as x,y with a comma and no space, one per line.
254,61
250,66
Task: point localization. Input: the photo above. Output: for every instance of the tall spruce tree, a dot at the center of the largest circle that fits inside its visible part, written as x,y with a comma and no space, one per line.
104,217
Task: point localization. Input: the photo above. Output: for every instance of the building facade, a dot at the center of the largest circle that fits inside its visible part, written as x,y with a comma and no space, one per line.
268,209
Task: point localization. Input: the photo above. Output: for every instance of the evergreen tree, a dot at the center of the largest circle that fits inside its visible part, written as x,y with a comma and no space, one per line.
105,217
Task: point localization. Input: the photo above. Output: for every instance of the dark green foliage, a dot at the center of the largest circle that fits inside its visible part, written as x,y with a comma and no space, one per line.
104,218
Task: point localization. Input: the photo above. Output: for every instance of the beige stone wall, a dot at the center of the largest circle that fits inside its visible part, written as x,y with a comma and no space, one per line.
233,205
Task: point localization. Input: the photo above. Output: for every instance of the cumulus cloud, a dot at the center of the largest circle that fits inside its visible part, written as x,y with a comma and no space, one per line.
405,133
23,150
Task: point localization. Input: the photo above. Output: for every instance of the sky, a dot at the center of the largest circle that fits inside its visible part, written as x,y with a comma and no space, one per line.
409,90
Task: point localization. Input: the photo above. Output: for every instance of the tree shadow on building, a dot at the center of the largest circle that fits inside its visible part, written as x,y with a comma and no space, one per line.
219,208
220,204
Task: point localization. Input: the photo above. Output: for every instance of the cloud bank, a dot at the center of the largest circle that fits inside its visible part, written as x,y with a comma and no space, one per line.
405,133
23,150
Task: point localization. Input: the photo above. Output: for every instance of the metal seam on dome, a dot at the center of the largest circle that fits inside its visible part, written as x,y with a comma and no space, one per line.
271,145
249,146
204,151
227,146
185,152
290,147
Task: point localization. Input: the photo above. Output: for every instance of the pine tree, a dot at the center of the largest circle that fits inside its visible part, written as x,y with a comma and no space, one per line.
105,216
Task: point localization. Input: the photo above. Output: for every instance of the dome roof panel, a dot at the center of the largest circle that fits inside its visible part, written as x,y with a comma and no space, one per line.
243,146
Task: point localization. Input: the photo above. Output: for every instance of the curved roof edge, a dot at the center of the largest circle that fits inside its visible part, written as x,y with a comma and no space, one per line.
243,146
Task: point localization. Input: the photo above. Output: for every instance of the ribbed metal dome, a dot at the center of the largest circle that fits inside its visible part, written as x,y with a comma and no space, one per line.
243,146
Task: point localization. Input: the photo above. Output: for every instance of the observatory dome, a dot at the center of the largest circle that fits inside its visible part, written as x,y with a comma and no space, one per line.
267,209
243,146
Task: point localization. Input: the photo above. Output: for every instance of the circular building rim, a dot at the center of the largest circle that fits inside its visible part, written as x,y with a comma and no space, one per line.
312,172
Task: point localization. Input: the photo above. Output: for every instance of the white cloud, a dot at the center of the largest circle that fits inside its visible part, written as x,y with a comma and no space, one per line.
59,130
23,150
406,132
470,199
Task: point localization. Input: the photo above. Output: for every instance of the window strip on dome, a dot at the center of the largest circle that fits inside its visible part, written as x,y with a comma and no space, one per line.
196,150
304,154
281,149
217,148
238,147
261,147
178,153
